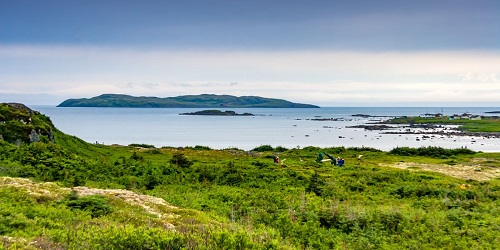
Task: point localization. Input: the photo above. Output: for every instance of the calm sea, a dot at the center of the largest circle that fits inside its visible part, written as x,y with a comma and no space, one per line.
277,127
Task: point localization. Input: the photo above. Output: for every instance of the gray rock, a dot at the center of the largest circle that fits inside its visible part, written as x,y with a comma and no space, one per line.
51,136
21,107
34,137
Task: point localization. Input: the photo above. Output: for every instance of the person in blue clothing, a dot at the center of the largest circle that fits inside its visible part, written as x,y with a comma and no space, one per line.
340,162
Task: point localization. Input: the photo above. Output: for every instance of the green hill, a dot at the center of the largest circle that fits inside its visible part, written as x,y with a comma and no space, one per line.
64,193
187,101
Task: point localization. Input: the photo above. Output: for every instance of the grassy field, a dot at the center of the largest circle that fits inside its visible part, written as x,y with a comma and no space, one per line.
230,199
69,194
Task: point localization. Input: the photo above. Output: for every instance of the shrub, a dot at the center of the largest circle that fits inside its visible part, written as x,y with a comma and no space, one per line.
95,204
136,157
462,151
260,164
141,145
199,147
263,148
316,184
403,151
280,149
180,160
435,152
364,149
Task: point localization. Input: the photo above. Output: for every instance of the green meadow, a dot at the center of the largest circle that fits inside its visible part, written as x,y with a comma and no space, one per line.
69,194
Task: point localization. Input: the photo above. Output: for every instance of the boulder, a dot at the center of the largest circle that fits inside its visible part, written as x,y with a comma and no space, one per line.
34,137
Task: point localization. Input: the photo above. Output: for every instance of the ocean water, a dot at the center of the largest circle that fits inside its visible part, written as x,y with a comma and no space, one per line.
277,127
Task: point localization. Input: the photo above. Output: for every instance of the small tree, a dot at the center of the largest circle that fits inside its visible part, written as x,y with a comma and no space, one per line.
316,183
180,160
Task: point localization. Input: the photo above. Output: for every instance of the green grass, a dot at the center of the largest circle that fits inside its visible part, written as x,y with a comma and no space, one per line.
243,196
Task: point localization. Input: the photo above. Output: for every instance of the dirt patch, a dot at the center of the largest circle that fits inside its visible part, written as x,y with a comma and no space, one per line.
150,204
462,171
46,189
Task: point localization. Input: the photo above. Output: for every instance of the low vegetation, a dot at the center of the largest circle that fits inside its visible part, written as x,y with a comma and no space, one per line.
434,152
200,198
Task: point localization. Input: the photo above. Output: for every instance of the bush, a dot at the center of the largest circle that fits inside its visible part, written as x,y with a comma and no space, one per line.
199,147
280,149
136,157
404,151
268,148
141,145
316,184
435,152
364,149
180,160
95,204
462,151
260,164
263,148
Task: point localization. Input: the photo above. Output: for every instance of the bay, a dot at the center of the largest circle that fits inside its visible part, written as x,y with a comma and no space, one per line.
289,128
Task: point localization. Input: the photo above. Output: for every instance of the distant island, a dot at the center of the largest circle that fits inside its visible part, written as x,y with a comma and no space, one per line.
493,112
217,113
186,101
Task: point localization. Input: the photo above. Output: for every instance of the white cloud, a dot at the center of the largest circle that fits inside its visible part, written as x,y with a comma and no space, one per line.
305,76
145,85
479,76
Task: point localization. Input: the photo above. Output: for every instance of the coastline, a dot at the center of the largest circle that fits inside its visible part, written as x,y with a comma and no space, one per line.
277,127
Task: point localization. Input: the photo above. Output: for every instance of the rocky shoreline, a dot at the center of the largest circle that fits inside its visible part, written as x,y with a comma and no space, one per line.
488,135
371,116
372,127
217,113
426,129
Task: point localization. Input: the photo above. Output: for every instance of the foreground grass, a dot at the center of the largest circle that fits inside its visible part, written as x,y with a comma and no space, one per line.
34,217
234,199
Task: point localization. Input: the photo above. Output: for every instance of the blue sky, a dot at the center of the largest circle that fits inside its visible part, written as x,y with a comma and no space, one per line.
330,53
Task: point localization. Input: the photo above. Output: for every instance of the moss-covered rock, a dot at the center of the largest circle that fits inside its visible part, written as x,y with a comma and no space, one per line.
19,123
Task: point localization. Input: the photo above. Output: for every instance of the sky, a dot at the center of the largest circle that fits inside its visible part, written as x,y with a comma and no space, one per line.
329,53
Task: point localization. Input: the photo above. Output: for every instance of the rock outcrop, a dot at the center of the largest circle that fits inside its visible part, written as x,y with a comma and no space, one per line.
20,124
